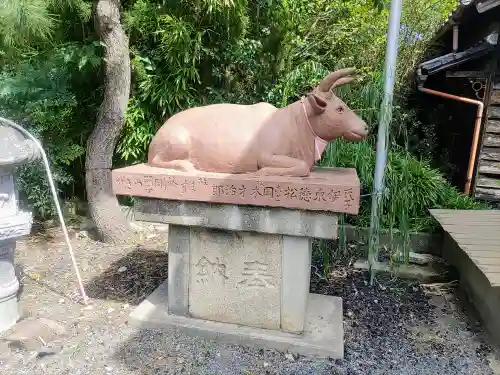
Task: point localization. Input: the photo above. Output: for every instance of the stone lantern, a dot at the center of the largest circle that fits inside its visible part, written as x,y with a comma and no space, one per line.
15,151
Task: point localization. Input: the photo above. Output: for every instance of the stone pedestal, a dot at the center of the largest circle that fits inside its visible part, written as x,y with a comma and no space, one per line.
13,224
14,151
241,272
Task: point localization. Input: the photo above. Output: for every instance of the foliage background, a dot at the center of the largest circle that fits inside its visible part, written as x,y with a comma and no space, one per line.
193,52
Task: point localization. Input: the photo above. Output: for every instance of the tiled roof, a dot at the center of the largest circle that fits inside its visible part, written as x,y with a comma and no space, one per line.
464,6
455,16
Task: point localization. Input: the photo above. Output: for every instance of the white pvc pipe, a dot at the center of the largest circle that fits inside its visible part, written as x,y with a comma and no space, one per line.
383,129
455,38
56,201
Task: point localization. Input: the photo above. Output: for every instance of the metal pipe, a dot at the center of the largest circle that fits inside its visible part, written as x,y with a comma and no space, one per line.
455,38
383,131
477,128
56,201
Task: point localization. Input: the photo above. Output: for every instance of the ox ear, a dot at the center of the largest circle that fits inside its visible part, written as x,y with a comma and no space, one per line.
318,104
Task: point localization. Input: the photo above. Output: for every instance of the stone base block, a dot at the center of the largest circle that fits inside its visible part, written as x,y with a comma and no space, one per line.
9,285
322,335
253,279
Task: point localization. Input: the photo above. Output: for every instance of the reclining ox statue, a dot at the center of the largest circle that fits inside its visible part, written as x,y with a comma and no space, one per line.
260,138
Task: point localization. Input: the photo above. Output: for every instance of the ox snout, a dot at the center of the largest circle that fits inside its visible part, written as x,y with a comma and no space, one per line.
357,132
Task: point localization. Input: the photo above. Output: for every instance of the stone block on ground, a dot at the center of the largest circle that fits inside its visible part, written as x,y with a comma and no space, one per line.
34,334
426,274
323,332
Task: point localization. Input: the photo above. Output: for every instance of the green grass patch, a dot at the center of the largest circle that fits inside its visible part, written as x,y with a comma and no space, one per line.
412,187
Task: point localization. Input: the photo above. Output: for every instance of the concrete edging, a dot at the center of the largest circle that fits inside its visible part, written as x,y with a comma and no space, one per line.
426,243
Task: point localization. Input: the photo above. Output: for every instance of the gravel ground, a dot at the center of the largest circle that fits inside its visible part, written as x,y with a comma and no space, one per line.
391,328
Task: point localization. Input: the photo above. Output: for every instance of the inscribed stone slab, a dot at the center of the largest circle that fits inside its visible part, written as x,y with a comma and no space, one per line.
235,277
325,189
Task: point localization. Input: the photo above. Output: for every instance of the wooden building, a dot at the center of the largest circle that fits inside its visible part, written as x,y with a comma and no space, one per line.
459,97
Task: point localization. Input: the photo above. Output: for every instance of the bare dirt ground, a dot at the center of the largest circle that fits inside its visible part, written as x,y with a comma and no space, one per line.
391,328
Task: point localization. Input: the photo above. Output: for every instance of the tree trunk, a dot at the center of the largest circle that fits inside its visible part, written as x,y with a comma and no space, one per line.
103,205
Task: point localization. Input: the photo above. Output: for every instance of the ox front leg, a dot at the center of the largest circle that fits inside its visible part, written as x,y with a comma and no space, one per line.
280,165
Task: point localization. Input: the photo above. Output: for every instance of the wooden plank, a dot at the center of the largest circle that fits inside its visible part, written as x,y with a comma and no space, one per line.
484,216
480,250
479,239
441,211
478,255
488,182
487,193
494,111
489,167
458,219
495,97
486,261
479,231
489,269
488,153
484,254
476,238
460,222
492,273
492,126
464,240
467,224
455,223
464,222
480,215
491,140
468,74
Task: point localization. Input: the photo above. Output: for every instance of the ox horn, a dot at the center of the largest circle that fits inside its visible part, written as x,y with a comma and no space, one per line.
336,78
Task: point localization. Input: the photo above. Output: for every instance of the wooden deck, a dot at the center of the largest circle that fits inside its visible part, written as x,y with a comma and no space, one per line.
477,233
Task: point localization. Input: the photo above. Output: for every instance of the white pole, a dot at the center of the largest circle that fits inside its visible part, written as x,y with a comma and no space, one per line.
383,130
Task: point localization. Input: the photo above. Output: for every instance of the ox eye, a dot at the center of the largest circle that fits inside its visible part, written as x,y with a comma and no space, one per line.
340,109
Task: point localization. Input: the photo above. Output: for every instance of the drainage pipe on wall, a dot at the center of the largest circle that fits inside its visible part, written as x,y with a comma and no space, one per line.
477,128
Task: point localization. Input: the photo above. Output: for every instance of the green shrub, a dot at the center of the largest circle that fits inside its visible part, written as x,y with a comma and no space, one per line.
42,94
192,53
412,187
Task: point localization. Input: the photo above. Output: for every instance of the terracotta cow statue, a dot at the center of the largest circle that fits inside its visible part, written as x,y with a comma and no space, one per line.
260,138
